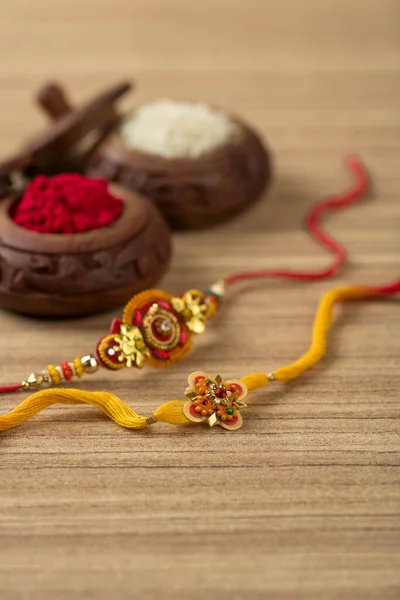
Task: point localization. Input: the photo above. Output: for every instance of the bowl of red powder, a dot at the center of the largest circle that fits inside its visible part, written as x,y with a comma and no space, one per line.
67,204
70,245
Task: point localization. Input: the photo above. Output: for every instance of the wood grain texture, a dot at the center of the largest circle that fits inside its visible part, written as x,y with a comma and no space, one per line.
303,502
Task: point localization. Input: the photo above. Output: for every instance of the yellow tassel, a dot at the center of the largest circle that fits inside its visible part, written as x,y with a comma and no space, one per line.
255,381
111,405
171,412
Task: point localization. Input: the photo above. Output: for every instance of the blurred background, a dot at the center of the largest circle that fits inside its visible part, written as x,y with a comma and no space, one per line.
318,78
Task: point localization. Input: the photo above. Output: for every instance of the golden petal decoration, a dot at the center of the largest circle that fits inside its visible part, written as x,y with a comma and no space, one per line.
196,325
130,345
178,304
188,414
239,404
237,425
193,376
213,419
242,386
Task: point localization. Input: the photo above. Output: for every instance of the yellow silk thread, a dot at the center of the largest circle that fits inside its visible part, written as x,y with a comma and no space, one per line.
322,323
111,405
172,412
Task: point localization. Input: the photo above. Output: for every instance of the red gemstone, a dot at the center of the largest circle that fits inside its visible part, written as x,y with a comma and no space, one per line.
184,338
160,354
113,358
220,392
115,326
137,318
235,388
164,304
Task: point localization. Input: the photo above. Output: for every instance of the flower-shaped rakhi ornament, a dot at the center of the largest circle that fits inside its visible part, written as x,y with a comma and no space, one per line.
216,401
164,331
195,308
123,349
157,328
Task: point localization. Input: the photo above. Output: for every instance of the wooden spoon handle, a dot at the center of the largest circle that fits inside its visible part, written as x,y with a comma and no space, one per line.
52,97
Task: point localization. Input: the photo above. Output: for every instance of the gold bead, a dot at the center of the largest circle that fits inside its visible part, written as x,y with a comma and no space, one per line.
219,288
46,378
35,380
89,363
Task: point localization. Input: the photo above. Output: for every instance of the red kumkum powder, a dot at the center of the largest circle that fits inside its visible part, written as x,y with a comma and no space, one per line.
67,203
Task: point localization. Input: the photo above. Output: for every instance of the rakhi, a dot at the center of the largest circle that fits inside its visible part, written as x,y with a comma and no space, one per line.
210,399
157,328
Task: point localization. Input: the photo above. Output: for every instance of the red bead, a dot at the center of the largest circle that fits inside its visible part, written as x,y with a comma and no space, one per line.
220,392
67,371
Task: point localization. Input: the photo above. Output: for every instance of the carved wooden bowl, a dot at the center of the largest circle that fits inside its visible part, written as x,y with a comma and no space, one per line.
65,275
190,192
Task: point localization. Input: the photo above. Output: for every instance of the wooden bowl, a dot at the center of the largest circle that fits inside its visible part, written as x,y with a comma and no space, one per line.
77,274
190,192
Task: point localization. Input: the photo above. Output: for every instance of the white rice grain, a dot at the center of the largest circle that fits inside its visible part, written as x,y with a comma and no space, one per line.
175,129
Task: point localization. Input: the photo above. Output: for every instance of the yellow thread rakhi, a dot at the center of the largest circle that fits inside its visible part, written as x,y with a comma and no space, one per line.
211,400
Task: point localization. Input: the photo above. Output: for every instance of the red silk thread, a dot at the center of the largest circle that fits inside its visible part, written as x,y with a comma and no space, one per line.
66,204
313,227
388,290
8,389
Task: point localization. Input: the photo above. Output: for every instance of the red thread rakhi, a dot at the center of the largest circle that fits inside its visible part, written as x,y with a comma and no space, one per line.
157,328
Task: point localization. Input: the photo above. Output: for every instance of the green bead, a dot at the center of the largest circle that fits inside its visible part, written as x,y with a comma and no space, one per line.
229,411
209,382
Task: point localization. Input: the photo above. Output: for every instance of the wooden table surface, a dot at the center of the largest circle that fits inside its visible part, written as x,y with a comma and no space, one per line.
303,502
